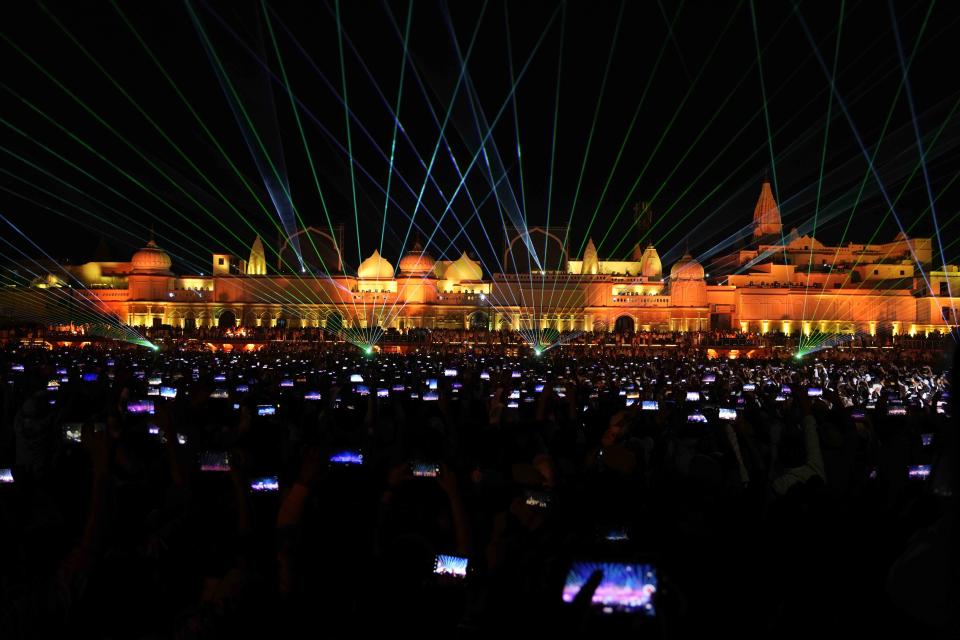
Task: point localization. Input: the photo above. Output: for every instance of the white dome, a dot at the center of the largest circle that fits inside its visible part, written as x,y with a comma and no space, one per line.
375,268
151,259
464,269
687,269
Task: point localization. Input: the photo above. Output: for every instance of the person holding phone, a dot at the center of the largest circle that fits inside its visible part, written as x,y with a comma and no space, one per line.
799,453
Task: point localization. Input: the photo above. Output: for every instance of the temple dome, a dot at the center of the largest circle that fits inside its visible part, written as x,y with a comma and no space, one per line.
375,268
687,268
464,269
417,261
151,259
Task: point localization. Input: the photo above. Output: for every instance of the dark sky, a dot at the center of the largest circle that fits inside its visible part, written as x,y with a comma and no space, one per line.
84,158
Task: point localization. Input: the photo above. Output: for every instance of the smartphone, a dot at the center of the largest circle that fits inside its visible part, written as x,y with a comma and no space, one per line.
942,407
629,402
153,429
383,393
918,471
749,387
650,405
858,415
311,395
140,406
398,387
89,377
286,383
814,392
432,384
514,374
710,378
926,439
484,375
617,534
624,588
780,398
219,394
725,413
362,390
513,404
181,439
356,377
217,378
514,395
266,410
214,461
242,388
538,388
430,396
6,476
450,373
537,499
266,484
346,458
693,396
168,392
72,431
452,566
896,410
425,469
697,417
785,389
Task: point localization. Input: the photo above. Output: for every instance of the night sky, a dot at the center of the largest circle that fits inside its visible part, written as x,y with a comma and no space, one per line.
613,103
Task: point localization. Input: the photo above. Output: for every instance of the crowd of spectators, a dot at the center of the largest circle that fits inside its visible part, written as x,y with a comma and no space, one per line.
808,497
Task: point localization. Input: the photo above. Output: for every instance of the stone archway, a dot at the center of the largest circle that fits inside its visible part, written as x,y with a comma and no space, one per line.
227,319
623,324
478,320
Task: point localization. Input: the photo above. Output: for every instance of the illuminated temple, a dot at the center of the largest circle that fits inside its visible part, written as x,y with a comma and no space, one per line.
774,282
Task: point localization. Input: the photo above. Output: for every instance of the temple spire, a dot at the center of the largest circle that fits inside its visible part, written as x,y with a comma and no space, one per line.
591,264
257,264
766,214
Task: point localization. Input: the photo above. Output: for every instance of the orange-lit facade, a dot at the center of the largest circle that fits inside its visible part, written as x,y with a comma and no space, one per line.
777,283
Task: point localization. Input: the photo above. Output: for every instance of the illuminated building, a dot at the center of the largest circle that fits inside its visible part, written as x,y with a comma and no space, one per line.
777,282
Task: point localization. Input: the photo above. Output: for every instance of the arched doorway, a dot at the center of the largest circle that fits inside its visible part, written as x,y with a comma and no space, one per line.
624,324
479,320
227,319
